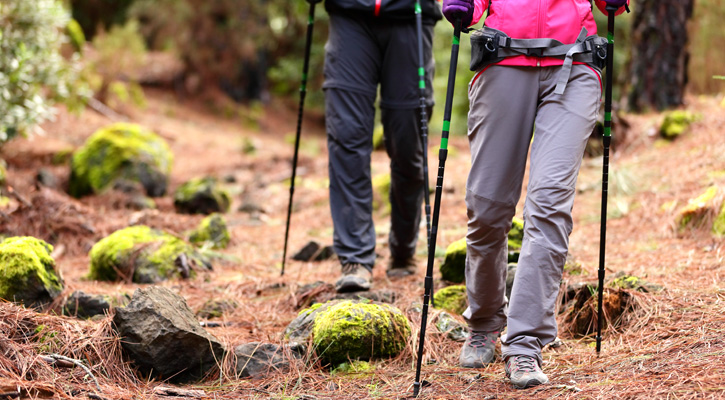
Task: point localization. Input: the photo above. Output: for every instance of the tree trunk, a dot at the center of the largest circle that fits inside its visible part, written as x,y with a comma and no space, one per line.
658,73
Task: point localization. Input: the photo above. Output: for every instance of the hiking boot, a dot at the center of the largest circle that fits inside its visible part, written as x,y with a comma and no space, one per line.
355,278
525,372
401,269
479,349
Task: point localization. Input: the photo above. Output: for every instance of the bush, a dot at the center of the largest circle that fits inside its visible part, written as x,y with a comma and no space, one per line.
33,73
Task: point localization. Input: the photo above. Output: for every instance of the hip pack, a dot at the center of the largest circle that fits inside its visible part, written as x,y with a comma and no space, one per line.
489,46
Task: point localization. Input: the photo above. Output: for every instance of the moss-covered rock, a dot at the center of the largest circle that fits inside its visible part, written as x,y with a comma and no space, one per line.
381,194
212,230
694,213
454,265
718,226
356,367
121,151
27,272
215,308
676,123
452,299
143,255
354,330
201,196
516,234
623,281
454,329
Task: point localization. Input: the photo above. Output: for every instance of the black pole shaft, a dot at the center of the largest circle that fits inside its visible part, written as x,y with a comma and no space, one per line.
607,139
423,124
303,94
442,156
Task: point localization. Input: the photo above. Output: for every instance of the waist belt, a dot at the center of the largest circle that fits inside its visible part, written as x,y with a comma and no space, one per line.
490,46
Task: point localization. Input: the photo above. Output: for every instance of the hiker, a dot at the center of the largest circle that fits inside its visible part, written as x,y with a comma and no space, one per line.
509,96
371,43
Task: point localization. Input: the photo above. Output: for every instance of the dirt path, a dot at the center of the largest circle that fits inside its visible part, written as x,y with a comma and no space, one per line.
672,347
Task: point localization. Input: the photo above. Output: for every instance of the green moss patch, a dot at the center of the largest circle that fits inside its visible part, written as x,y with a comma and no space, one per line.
201,196
142,255
452,298
718,226
676,123
212,230
381,194
454,265
27,271
351,331
696,210
121,151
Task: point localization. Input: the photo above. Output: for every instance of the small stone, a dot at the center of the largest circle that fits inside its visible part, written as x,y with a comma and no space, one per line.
260,360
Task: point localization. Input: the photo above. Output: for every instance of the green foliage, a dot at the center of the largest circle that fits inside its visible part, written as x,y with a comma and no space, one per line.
119,54
75,34
707,39
33,73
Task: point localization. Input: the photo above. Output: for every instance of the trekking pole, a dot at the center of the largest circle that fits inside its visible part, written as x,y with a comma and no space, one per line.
442,155
303,93
423,123
607,139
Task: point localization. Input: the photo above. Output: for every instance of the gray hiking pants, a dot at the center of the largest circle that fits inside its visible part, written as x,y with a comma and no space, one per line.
506,103
360,54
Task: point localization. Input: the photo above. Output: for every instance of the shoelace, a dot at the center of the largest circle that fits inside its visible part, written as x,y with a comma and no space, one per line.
524,364
350,268
480,339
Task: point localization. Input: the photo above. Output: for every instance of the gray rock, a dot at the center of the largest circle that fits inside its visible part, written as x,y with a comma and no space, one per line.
162,337
453,329
46,178
300,329
260,360
201,196
510,275
83,305
307,252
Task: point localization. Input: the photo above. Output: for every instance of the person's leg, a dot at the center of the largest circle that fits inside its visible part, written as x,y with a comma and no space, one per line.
563,125
400,107
352,63
500,125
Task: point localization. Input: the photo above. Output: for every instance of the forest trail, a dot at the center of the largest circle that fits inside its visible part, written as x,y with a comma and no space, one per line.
671,346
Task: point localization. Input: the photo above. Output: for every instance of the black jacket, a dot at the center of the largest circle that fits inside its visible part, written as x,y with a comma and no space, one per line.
389,9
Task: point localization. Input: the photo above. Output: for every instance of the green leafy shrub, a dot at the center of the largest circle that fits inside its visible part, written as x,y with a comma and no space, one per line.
33,73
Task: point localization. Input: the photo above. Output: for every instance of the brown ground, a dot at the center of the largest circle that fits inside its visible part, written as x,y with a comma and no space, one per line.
672,346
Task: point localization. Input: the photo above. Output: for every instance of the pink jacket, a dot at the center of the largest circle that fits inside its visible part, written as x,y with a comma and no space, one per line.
536,19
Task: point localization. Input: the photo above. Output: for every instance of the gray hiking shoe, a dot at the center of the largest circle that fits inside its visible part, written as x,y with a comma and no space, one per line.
401,268
525,372
355,278
479,349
